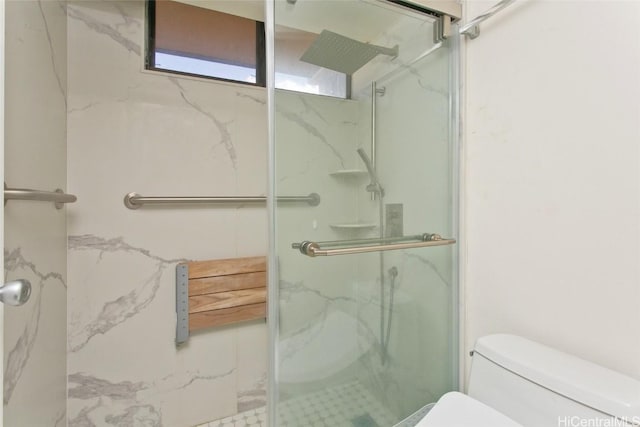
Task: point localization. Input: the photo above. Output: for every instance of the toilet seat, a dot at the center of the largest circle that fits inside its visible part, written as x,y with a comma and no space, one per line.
459,410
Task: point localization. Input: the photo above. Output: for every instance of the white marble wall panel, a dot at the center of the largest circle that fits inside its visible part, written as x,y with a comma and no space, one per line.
155,134
35,232
252,342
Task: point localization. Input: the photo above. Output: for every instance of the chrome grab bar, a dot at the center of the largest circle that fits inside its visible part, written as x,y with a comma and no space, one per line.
314,249
136,201
472,29
58,197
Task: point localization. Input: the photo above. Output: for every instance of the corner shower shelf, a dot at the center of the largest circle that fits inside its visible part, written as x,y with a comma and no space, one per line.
354,226
348,173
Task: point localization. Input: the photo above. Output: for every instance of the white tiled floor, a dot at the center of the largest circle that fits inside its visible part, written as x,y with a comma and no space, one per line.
346,405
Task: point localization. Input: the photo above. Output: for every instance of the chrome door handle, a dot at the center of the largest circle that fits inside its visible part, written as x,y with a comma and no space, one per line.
314,249
15,292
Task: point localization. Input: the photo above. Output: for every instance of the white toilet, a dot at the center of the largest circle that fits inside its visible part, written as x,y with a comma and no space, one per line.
516,382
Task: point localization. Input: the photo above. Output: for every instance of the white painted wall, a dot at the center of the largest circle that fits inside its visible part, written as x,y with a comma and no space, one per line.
552,178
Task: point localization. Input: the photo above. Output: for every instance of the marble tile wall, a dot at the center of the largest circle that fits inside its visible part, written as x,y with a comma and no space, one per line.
155,134
35,232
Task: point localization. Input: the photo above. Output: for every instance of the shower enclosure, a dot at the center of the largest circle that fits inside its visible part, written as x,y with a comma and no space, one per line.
363,287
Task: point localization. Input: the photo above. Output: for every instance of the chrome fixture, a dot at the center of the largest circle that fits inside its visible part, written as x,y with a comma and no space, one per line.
472,29
374,186
367,241
136,201
393,275
314,249
58,197
446,12
451,8
371,165
376,191
15,292
342,54
442,29
393,219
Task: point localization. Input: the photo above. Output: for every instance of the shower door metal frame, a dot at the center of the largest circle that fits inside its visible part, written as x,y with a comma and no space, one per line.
450,8
446,12
273,293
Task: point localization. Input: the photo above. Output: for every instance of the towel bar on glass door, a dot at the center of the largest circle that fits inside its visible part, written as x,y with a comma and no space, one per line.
136,201
58,197
314,249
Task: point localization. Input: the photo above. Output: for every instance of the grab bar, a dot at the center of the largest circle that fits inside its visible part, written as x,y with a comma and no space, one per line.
136,201
472,29
58,197
314,249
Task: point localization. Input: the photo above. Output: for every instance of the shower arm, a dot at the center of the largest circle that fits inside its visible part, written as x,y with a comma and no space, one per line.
393,52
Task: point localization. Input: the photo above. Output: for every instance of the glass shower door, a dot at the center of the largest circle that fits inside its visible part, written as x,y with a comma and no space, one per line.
365,293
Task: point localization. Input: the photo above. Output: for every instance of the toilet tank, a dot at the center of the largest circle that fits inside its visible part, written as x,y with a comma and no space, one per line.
538,386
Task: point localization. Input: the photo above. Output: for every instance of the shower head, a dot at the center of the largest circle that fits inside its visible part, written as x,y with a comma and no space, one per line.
374,186
339,53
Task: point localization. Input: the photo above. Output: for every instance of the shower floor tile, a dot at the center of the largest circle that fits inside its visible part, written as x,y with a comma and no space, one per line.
252,418
346,405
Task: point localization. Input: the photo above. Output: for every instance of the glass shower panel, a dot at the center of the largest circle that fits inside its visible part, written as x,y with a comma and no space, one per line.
363,338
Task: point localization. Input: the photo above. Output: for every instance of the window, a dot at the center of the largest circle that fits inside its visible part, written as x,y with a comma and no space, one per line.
203,42
197,41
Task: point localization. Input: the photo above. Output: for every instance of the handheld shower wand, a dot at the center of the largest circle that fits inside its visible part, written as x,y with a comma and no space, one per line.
374,186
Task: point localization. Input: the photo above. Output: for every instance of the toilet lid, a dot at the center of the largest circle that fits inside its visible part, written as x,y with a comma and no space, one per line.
459,410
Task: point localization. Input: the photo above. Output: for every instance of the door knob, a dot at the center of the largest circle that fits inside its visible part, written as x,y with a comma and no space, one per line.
15,292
